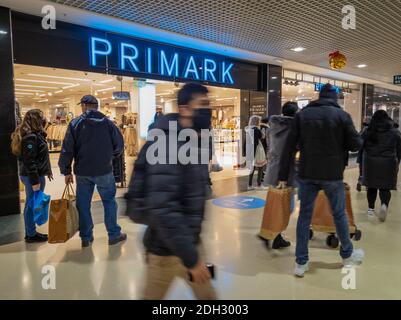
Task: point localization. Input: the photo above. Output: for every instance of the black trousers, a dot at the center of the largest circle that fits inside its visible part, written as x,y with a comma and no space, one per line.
260,175
385,196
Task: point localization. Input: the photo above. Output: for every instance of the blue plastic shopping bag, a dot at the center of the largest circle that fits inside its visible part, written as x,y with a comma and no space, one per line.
40,206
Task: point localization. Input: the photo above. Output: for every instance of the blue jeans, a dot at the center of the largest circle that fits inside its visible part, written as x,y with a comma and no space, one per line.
335,192
30,227
107,189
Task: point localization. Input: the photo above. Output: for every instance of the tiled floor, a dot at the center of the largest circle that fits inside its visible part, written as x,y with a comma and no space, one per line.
245,268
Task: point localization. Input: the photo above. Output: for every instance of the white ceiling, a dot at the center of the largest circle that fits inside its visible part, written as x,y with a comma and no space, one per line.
273,27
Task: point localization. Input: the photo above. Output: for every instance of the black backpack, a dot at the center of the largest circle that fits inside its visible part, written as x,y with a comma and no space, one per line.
135,197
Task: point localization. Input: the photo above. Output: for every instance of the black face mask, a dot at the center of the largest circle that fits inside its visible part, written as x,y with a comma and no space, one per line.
202,118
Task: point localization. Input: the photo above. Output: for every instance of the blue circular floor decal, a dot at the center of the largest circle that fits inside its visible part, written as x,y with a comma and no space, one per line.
239,202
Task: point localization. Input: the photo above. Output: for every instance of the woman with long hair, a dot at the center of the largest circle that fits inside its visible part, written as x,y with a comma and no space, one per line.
255,154
381,158
30,146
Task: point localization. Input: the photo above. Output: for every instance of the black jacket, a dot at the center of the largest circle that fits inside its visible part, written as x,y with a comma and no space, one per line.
34,160
325,134
174,199
92,141
381,156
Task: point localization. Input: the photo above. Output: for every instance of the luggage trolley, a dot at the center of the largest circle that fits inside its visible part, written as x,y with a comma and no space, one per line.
322,220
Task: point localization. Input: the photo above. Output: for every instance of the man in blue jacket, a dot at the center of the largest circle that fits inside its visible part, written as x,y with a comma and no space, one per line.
92,141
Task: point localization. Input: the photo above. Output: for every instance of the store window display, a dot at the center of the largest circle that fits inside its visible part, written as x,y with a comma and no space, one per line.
304,88
388,100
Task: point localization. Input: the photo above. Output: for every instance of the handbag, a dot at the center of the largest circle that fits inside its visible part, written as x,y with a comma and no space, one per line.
63,217
260,156
39,204
277,212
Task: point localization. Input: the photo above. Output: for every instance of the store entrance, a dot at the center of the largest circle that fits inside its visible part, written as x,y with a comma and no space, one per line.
57,92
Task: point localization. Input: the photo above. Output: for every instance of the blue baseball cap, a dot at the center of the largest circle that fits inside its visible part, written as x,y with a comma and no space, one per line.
88,99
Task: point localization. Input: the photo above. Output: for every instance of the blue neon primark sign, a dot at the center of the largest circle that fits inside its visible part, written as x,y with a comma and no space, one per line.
149,60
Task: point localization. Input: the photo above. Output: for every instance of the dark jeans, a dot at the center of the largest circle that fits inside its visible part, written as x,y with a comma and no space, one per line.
107,189
30,227
385,196
260,175
335,192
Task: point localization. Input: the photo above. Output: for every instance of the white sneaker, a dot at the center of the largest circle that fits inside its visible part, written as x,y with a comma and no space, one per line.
249,188
383,213
355,258
300,269
371,213
261,187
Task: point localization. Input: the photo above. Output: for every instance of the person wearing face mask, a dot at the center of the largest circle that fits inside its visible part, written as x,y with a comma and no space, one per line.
30,146
174,195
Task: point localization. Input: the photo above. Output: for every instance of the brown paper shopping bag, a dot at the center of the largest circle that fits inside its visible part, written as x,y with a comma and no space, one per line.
276,213
322,219
63,217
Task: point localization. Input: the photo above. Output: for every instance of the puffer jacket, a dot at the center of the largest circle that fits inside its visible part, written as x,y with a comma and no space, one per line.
325,134
34,160
280,127
92,141
174,199
381,156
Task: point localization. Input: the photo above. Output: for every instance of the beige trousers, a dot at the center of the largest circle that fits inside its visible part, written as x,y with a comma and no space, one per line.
161,272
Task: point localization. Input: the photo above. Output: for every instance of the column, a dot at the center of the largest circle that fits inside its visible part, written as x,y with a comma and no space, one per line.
274,81
9,188
147,107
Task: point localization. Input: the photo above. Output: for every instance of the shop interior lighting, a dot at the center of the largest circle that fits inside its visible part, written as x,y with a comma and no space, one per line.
45,81
360,66
106,89
29,90
106,81
44,100
33,86
3,32
71,86
59,91
57,77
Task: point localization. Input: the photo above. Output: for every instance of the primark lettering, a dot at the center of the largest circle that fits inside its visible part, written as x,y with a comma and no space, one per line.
141,58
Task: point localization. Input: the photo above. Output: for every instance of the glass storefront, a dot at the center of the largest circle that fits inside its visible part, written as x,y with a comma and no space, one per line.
388,100
304,88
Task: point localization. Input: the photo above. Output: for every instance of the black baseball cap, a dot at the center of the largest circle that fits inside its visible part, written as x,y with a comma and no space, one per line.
88,99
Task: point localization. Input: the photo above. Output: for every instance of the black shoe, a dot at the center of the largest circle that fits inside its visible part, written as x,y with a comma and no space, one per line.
86,243
279,243
122,237
359,187
38,237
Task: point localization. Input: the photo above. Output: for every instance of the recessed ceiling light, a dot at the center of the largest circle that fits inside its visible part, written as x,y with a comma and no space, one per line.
298,49
3,32
361,66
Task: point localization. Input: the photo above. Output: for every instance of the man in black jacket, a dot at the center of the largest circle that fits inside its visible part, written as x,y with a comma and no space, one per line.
324,134
174,198
92,141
